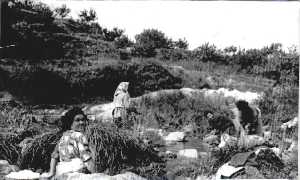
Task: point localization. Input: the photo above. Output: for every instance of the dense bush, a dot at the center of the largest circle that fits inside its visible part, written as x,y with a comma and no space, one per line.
149,40
115,150
51,84
38,85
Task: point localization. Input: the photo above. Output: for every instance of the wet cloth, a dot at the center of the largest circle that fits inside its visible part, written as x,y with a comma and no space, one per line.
75,165
72,148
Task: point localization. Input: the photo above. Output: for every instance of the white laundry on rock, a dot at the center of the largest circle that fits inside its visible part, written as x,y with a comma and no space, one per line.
188,153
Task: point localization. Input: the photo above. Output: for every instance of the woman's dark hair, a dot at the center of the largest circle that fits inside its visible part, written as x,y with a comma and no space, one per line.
247,113
66,120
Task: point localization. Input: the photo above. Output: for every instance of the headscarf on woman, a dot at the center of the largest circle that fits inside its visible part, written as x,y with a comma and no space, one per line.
121,95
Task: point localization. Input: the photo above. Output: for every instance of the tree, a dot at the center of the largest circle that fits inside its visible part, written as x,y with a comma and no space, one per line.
111,35
149,40
123,42
207,52
88,16
62,11
181,44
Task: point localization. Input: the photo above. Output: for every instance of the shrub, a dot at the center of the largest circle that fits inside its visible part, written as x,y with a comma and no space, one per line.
173,54
9,150
172,110
115,150
149,40
37,154
38,85
57,84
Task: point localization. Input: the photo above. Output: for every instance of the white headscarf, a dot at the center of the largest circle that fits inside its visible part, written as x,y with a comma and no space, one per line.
122,88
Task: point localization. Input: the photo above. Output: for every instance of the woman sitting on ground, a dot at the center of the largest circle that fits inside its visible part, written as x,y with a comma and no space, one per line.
72,152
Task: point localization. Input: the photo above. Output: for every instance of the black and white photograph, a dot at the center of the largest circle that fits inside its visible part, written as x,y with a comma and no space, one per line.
149,89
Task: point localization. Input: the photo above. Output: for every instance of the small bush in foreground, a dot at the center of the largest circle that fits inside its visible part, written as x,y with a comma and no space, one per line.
115,150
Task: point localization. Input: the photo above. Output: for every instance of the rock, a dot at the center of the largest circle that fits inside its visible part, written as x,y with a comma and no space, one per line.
250,141
169,152
182,178
170,155
267,135
227,140
175,137
100,112
293,146
202,177
227,171
276,150
4,167
250,173
204,155
98,176
159,132
211,139
189,153
188,128
290,124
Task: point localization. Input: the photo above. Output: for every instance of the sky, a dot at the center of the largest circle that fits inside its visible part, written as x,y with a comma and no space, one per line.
223,23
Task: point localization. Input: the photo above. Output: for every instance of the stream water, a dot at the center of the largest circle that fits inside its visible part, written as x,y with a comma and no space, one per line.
192,143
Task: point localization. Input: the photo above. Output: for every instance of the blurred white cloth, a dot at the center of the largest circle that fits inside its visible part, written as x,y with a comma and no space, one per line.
75,165
24,174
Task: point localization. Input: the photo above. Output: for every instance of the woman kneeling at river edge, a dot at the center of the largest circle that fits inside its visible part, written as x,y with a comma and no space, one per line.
72,152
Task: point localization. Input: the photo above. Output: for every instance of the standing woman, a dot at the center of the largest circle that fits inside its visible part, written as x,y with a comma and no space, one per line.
121,104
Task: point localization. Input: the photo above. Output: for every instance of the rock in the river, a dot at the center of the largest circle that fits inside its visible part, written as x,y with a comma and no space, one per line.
227,171
175,137
189,153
